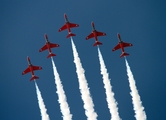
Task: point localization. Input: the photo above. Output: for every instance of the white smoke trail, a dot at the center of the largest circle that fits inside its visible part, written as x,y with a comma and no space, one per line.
83,86
61,95
42,107
137,104
112,104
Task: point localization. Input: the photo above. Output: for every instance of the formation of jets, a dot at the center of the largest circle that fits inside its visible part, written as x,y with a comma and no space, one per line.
121,45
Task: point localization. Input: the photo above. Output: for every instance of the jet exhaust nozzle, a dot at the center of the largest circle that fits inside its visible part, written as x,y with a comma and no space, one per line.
97,43
70,34
34,77
124,54
51,55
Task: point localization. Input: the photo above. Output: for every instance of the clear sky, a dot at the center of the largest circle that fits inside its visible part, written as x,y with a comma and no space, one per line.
23,24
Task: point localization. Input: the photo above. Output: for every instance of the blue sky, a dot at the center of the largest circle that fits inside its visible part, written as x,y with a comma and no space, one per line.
23,24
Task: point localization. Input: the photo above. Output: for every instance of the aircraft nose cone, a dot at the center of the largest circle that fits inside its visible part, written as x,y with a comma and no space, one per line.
118,35
28,58
92,24
65,15
45,35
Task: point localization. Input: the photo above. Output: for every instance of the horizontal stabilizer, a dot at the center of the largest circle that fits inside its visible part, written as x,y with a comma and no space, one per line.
34,77
97,43
70,34
124,54
51,55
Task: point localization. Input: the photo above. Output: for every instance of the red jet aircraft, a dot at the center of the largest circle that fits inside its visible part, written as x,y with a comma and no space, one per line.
31,69
94,34
121,45
48,46
67,26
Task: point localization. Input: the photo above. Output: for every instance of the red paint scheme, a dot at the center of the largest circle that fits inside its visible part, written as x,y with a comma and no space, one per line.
94,34
67,26
31,69
48,46
121,45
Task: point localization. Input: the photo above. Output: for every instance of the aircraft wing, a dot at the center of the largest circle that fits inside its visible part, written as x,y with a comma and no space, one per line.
127,44
73,25
43,48
116,47
90,36
52,45
26,71
64,27
100,34
36,67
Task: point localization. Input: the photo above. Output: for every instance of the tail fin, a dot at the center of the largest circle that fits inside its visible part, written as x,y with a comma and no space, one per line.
70,34
50,55
124,54
97,43
34,77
